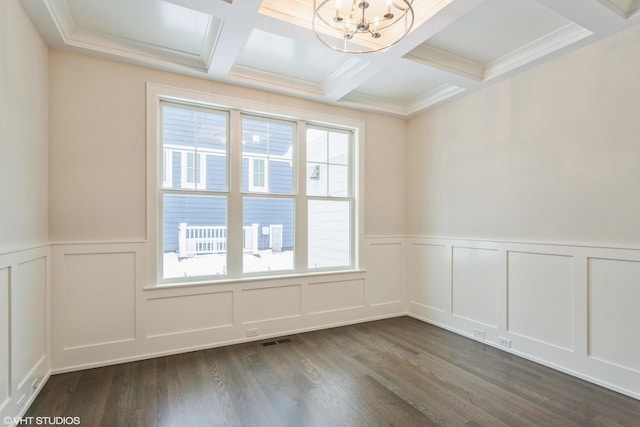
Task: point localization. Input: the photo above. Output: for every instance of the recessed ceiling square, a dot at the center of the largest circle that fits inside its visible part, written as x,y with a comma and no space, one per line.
298,12
287,57
395,86
149,22
496,28
626,8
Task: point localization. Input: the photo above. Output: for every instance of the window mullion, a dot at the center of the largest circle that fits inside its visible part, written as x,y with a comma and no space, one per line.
234,212
355,224
301,213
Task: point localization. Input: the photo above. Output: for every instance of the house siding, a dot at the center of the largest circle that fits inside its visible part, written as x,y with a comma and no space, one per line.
191,130
212,210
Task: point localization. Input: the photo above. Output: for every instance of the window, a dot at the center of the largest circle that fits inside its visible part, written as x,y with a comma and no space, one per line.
194,215
330,202
167,168
257,175
193,169
237,193
268,197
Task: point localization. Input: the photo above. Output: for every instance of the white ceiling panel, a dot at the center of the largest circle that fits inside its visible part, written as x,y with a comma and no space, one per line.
496,28
397,86
625,8
455,47
151,22
288,57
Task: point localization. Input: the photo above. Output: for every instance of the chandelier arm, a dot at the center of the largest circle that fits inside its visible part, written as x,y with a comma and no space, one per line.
364,33
393,22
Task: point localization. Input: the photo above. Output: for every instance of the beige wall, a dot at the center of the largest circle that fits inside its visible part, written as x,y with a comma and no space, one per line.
23,131
551,155
24,252
97,149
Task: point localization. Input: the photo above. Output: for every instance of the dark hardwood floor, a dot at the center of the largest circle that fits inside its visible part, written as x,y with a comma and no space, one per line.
399,372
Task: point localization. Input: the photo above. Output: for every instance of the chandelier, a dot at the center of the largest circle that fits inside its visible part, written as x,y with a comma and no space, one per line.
361,26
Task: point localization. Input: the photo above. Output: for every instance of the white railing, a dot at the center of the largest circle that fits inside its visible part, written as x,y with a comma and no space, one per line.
209,239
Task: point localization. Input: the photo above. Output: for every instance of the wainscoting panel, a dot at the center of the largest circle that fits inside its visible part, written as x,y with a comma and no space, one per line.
189,313
271,303
614,312
28,294
429,277
573,308
386,286
105,308
5,343
24,358
326,297
475,285
540,298
99,298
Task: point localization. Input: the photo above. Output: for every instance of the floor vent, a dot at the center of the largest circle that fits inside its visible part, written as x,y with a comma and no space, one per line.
282,341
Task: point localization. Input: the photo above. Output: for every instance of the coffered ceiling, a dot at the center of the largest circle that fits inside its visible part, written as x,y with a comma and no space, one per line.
454,48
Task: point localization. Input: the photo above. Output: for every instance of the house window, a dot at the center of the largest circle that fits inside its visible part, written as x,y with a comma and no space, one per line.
252,189
258,175
167,168
193,169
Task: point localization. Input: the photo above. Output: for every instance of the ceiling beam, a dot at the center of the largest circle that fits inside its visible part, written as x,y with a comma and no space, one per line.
236,30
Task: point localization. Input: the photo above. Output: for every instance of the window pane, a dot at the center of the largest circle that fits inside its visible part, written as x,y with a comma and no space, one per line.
329,233
338,181
317,179
267,148
317,145
268,234
195,235
328,163
258,172
167,168
198,143
190,172
338,148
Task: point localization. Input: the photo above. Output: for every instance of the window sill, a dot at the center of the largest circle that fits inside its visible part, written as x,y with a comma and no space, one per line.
246,279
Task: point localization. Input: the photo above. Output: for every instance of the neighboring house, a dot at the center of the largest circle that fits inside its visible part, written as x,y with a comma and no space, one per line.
198,161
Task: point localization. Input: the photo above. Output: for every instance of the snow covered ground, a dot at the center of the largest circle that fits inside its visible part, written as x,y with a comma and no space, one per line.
215,264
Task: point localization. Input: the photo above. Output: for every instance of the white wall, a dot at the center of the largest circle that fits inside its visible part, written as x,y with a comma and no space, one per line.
513,195
104,306
549,155
23,131
97,149
24,250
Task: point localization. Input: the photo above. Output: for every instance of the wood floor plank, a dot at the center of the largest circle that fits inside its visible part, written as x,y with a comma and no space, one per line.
391,372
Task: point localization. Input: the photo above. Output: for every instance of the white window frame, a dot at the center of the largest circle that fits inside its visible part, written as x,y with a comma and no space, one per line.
202,169
236,107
